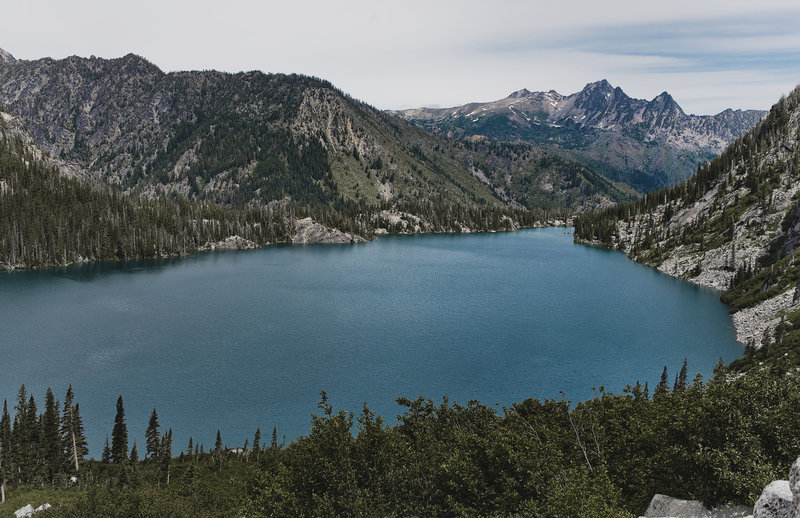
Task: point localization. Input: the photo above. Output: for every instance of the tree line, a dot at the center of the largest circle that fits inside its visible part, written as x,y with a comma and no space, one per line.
717,440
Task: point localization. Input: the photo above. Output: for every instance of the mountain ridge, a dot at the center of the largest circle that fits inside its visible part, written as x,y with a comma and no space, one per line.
243,138
644,143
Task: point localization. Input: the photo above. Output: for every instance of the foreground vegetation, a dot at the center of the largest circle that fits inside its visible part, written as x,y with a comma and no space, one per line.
719,441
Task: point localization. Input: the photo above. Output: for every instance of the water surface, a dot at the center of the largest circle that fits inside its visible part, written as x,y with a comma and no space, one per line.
241,340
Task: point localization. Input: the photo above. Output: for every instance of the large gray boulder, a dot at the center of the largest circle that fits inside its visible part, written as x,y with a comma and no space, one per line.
663,506
775,501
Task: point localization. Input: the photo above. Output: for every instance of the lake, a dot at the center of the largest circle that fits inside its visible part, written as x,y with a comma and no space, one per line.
248,339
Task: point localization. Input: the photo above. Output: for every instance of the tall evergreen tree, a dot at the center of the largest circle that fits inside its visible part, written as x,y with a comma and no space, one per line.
5,450
680,385
152,436
106,456
663,385
119,435
257,443
134,458
50,441
165,456
72,434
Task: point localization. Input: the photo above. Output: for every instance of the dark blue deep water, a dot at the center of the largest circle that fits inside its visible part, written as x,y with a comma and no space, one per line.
241,340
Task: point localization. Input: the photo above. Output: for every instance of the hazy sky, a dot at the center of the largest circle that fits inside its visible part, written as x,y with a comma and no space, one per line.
708,55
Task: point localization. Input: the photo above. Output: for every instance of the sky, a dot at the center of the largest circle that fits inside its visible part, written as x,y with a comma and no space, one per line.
709,55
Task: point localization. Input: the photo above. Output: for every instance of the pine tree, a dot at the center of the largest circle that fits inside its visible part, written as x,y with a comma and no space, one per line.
680,385
50,440
106,457
153,437
119,435
165,456
663,385
274,444
72,435
190,448
218,450
257,443
5,450
134,458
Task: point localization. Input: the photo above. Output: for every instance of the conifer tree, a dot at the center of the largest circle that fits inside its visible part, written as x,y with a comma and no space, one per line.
134,458
153,437
257,443
119,435
680,385
72,436
663,385
5,450
50,440
106,456
165,456
190,448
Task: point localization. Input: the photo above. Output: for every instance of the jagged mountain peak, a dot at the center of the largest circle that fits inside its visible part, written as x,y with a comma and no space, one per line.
664,102
520,93
6,57
602,85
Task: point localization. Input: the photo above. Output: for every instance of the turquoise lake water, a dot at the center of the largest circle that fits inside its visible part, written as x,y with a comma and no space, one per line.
241,340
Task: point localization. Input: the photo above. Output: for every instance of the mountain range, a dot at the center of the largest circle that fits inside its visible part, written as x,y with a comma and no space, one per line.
646,144
253,138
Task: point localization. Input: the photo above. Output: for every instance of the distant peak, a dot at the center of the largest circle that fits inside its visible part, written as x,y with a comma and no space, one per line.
603,84
6,57
664,97
520,93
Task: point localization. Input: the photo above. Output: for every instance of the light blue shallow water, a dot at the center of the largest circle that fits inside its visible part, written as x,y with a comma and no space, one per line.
240,340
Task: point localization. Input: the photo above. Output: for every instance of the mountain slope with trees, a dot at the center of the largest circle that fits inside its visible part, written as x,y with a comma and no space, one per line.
249,139
646,144
733,226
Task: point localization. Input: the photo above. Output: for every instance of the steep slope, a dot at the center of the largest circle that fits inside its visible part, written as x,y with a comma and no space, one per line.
646,144
733,226
527,175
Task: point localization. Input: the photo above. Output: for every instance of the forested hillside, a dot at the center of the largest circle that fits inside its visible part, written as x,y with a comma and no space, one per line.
47,219
733,226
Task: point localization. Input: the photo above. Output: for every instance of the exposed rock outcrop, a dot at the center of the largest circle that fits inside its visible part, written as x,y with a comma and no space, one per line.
308,231
231,243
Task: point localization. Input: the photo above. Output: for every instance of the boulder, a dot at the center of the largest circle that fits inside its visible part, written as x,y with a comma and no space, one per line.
663,506
794,486
775,501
